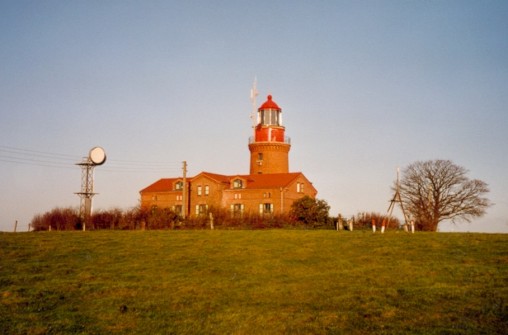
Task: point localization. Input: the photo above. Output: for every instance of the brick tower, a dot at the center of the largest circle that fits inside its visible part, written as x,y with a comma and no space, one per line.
269,148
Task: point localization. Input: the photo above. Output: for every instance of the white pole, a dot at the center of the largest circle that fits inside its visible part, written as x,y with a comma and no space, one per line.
184,191
253,94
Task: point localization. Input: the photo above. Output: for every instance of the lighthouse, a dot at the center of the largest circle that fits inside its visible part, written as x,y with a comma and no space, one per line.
268,189
269,147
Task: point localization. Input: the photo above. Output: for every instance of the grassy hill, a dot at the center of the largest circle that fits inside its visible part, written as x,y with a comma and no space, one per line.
253,282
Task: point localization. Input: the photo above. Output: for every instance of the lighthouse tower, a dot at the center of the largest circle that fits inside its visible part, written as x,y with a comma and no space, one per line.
269,147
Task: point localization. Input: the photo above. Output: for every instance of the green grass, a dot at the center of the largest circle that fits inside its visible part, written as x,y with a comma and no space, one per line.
253,282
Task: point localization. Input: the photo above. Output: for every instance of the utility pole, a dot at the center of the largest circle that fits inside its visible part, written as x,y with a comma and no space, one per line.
184,191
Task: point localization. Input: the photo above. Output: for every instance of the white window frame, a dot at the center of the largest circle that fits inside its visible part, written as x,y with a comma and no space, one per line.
237,183
266,208
201,209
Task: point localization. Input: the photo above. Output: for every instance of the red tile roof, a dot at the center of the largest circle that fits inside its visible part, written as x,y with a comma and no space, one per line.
161,185
271,180
254,181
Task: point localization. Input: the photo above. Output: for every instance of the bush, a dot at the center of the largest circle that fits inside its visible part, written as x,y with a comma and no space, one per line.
164,218
311,212
57,219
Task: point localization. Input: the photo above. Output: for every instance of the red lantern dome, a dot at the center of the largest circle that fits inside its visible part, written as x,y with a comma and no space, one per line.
269,104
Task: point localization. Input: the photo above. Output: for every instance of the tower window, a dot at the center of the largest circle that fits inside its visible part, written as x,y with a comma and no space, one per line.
260,156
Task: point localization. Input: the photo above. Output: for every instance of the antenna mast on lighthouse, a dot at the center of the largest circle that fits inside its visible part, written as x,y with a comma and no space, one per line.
253,94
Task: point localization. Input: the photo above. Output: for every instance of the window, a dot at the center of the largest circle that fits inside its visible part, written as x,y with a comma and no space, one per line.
199,190
260,156
178,185
179,197
201,209
265,208
207,190
237,183
237,210
238,196
270,117
299,187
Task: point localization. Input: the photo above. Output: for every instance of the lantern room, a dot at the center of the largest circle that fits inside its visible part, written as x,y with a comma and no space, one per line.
269,123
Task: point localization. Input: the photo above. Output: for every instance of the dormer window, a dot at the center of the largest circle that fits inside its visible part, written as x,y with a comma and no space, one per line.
179,185
237,183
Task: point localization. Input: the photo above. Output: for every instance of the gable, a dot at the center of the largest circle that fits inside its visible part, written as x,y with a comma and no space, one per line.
217,178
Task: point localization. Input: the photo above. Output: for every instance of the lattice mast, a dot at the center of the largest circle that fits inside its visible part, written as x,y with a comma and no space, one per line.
396,199
86,193
96,156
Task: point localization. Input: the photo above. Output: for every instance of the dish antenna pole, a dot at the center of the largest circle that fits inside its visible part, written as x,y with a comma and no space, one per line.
96,156
396,199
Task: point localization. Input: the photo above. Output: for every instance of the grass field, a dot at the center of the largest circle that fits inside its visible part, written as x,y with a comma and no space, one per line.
253,282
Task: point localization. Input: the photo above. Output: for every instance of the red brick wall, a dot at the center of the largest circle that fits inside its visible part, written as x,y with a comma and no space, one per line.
275,157
222,195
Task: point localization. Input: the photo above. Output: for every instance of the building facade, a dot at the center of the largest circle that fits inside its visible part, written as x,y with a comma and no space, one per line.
269,188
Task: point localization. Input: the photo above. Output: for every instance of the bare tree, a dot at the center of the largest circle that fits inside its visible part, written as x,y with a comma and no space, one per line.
438,190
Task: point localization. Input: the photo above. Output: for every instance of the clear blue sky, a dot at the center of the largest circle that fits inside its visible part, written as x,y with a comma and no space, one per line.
365,87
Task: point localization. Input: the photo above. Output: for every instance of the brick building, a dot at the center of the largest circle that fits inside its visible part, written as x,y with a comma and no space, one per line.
269,188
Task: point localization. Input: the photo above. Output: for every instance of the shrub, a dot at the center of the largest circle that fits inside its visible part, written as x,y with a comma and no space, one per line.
57,219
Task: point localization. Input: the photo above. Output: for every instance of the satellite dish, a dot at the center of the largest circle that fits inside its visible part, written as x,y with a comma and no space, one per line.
97,156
